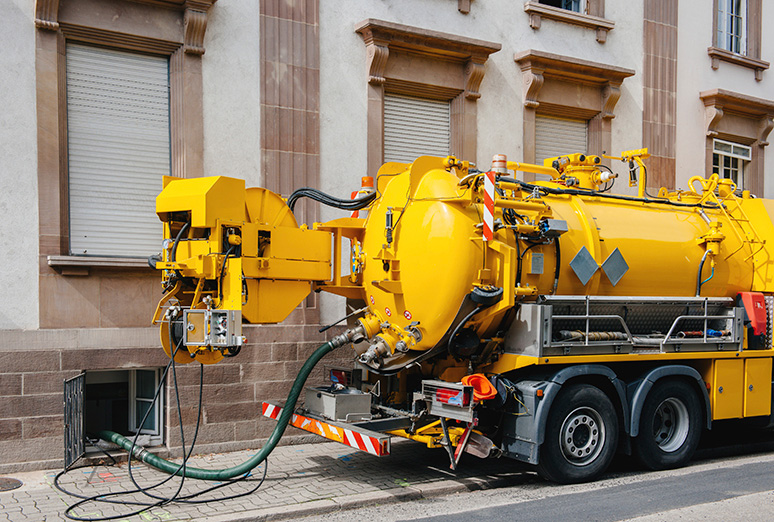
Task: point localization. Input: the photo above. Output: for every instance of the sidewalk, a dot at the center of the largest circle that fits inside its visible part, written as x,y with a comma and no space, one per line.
301,480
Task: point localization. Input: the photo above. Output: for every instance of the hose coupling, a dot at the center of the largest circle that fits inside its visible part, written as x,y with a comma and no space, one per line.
352,335
375,352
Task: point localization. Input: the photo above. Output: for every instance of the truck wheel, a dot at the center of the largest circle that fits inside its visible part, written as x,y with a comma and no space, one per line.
670,426
581,435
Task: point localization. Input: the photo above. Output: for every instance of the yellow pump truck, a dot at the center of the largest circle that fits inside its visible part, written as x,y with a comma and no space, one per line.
552,321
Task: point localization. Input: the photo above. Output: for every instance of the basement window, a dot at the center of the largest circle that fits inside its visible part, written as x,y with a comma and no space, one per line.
117,400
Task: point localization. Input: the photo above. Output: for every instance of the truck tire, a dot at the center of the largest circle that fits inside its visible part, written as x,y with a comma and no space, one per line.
670,425
581,435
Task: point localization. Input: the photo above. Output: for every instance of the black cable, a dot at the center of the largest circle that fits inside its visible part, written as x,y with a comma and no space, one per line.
460,324
698,276
223,271
186,456
173,253
558,256
581,192
609,184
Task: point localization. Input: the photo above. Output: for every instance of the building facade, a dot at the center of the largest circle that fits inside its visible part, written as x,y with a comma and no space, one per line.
104,97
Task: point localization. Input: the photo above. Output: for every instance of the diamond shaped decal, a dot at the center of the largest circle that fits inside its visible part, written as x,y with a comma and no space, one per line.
583,265
615,266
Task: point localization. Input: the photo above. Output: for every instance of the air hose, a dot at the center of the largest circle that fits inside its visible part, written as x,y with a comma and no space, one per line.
284,419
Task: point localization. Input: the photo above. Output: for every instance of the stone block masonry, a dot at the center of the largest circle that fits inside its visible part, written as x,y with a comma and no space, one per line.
34,365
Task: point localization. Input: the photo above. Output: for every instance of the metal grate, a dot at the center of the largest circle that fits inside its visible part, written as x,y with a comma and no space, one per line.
74,441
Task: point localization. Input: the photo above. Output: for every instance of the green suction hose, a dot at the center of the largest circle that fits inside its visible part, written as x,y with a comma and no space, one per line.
282,423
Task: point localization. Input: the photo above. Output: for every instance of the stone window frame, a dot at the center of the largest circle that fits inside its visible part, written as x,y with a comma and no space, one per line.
594,18
743,119
753,27
178,34
393,52
598,84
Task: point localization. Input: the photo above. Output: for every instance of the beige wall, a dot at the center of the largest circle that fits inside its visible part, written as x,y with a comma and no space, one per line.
94,321
18,167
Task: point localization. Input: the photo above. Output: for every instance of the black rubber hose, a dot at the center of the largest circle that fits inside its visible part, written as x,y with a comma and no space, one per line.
322,197
173,253
698,276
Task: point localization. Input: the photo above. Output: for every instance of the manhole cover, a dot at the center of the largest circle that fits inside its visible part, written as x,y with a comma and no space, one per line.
7,484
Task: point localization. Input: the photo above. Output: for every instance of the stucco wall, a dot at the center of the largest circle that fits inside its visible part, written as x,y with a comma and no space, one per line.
231,84
18,167
343,84
695,75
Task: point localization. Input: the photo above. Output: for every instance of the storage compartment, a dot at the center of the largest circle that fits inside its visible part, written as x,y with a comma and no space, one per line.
344,404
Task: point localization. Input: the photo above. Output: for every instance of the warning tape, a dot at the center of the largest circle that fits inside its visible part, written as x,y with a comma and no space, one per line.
489,196
352,438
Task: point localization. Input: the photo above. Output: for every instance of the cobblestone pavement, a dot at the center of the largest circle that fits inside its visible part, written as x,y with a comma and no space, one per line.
301,480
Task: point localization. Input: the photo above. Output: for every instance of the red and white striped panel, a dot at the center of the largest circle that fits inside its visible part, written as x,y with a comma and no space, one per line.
489,194
355,439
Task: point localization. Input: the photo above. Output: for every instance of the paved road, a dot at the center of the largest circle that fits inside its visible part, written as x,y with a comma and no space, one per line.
415,483
727,488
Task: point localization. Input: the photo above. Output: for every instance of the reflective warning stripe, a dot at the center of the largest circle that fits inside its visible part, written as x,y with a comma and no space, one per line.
489,195
345,436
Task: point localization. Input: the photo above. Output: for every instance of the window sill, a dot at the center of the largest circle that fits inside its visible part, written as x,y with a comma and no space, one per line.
538,11
80,265
717,54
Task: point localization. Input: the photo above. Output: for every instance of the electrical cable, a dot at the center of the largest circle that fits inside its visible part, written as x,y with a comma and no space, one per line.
609,184
223,271
580,192
240,469
145,489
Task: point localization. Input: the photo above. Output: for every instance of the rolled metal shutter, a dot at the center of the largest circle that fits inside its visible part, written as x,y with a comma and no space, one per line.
415,127
557,136
118,150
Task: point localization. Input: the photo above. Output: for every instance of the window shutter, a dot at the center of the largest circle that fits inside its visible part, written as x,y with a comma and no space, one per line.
415,127
557,136
118,150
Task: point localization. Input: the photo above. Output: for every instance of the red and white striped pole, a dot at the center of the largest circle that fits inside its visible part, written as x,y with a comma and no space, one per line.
499,166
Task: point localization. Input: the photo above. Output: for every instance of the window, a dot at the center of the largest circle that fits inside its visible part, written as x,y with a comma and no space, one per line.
118,149
579,6
569,104
736,38
584,13
415,127
729,160
737,130
731,25
415,69
557,136
117,400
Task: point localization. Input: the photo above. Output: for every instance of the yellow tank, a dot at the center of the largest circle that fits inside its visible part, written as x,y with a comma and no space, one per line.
445,246
416,284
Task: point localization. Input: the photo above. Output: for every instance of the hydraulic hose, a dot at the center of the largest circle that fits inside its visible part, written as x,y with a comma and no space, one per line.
282,423
699,282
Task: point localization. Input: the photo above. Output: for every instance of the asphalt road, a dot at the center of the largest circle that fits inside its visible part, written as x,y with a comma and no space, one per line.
731,478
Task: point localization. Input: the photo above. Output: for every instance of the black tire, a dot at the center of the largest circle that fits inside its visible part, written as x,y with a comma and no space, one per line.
670,425
581,435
